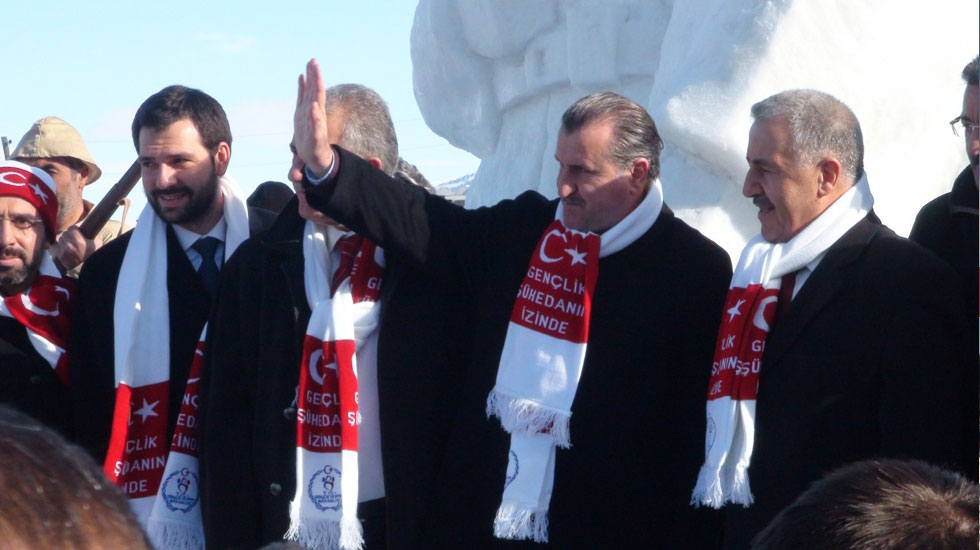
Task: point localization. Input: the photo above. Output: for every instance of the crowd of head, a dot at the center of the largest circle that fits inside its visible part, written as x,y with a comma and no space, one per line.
358,363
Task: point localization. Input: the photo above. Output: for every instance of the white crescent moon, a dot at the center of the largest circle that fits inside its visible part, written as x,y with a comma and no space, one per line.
759,320
314,359
544,244
29,306
3,179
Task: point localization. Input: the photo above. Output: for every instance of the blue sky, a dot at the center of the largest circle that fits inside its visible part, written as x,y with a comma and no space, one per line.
93,63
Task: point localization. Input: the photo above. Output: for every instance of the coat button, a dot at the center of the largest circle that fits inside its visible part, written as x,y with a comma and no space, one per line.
35,379
289,413
275,489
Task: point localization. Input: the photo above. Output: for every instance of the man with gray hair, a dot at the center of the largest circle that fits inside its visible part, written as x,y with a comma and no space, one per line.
299,306
600,303
839,340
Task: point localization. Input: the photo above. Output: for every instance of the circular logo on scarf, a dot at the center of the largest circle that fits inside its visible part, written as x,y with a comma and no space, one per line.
180,490
709,436
324,488
513,467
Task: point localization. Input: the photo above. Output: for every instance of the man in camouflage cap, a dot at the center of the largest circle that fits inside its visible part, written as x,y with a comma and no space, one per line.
55,146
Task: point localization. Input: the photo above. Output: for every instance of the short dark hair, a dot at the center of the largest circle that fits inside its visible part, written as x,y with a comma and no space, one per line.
55,496
270,195
635,133
177,102
368,131
970,73
410,173
879,505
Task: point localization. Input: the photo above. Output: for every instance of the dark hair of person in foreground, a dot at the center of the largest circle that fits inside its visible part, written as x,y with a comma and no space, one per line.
879,505
52,495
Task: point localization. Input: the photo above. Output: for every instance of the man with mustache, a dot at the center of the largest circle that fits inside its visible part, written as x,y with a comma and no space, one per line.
34,299
54,146
840,341
143,301
601,304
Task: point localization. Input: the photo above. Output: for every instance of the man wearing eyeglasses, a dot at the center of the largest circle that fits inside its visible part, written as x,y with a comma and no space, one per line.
34,299
56,147
948,225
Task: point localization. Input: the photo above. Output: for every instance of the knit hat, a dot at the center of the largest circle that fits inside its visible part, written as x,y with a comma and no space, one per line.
34,186
52,137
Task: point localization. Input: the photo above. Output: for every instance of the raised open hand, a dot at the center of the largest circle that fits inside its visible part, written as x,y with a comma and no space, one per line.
310,136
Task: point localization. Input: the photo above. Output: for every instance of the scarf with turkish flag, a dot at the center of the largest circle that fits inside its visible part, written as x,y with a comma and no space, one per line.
543,357
750,310
323,512
165,497
45,311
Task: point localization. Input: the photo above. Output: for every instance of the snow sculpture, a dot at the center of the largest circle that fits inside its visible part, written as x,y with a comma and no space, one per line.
494,76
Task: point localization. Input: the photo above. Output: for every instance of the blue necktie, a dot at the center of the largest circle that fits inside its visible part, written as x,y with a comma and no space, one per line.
206,247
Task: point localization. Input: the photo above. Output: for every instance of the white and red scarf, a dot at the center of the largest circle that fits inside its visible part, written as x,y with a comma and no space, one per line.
45,311
749,311
542,359
45,308
345,311
159,477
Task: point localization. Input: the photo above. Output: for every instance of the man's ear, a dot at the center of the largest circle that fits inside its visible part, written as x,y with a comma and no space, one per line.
83,174
376,162
830,178
639,174
221,158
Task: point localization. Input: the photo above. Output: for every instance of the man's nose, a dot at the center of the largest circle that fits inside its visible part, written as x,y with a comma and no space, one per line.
566,187
750,187
295,174
7,231
166,176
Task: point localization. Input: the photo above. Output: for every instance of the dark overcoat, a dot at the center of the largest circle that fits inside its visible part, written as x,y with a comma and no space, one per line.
867,362
638,417
248,455
91,360
27,381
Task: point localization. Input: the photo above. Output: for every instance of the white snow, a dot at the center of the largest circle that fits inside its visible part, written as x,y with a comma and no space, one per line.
494,76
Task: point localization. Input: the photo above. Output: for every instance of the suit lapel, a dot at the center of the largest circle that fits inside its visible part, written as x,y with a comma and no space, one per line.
822,285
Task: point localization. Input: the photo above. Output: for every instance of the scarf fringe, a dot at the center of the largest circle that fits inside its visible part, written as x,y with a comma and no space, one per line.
707,490
740,492
175,535
347,534
530,417
518,522
351,534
